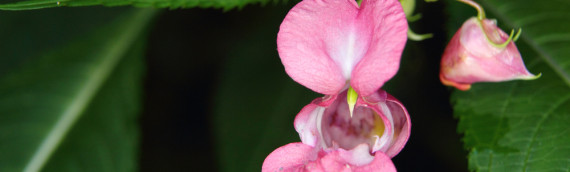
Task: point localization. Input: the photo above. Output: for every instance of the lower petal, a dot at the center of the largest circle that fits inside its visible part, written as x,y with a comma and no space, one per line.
381,162
357,159
291,157
402,125
397,122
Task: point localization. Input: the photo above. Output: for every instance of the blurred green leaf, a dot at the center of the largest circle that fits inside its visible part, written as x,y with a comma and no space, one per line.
72,106
37,4
522,125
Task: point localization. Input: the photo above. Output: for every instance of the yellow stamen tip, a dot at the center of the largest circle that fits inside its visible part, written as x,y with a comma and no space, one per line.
351,97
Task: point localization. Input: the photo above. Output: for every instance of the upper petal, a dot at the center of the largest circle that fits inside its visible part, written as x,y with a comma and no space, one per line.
291,157
386,22
312,38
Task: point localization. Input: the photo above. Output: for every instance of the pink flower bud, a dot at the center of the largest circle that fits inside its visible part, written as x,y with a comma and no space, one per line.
481,52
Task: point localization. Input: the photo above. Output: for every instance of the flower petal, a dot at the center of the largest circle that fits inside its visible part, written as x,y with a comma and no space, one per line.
381,163
308,120
312,34
305,124
291,157
396,120
357,159
402,125
386,22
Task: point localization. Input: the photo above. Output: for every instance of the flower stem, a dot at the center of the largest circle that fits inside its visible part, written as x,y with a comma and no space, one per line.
480,11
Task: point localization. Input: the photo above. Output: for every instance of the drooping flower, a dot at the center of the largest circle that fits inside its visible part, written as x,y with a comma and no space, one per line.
347,52
481,52
332,140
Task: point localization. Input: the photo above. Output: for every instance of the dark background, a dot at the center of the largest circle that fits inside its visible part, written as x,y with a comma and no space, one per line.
217,97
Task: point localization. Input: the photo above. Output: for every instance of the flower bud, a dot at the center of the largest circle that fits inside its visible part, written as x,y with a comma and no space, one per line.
481,52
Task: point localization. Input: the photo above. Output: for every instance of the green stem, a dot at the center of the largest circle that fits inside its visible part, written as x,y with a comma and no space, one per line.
418,37
480,11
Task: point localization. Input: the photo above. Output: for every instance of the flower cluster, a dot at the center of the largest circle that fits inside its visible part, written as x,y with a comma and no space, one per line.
345,51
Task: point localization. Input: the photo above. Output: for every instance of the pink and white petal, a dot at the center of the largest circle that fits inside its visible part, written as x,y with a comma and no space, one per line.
306,124
384,140
357,156
307,121
311,35
289,158
507,63
381,162
313,166
339,160
402,125
396,122
386,22
357,159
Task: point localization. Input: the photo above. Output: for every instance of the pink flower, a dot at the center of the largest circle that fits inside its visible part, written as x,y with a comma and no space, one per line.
343,50
332,140
481,52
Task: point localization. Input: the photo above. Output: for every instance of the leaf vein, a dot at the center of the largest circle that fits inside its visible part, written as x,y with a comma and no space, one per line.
534,134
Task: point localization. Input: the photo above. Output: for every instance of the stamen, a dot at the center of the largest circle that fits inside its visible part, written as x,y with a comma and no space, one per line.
351,97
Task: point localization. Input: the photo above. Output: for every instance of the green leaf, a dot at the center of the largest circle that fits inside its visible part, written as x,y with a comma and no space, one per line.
37,4
73,106
522,125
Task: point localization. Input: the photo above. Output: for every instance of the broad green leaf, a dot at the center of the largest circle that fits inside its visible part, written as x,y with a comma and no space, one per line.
36,4
72,106
522,125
